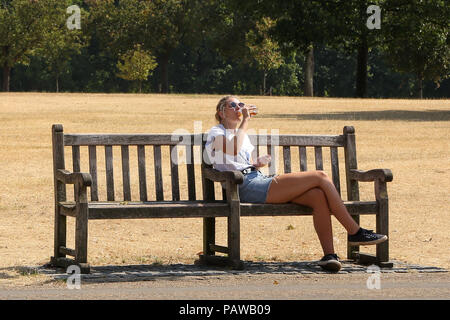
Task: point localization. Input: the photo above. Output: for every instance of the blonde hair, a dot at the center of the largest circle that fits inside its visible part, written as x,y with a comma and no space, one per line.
221,105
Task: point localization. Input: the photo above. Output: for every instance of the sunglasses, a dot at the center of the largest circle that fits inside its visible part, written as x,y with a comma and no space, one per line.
236,106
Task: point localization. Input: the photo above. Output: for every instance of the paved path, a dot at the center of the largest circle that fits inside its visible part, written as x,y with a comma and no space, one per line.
289,280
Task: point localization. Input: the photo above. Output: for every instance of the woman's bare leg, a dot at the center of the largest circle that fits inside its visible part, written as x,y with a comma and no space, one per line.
315,198
287,187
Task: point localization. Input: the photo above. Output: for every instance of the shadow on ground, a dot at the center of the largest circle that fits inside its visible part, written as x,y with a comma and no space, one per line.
392,115
130,273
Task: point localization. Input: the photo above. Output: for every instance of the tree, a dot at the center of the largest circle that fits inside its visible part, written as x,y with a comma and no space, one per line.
300,25
137,64
158,25
60,43
264,51
22,28
417,39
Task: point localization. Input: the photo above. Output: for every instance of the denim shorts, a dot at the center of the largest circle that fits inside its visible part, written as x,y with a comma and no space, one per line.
255,187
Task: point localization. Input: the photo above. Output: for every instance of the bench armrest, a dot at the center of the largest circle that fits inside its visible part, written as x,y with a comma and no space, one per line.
383,175
66,177
235,177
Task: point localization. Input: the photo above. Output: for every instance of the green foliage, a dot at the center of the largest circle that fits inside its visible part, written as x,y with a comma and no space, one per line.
22,28
264,50
60,44
136,64
417,38
226,46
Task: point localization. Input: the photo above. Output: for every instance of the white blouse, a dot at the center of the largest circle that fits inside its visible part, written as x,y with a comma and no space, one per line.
225,162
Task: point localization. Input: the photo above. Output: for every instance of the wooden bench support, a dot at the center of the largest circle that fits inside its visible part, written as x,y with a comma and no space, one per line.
220,261
369,259
85,268
220,249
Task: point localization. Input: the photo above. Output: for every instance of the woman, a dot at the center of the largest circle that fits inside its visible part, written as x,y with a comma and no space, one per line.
229,148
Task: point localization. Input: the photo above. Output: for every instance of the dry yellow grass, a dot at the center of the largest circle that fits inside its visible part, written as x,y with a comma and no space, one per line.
410,137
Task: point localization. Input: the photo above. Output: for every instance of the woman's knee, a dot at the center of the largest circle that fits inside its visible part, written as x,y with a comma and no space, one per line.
323,177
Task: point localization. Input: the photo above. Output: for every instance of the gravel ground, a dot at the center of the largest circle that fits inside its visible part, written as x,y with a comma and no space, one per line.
274,281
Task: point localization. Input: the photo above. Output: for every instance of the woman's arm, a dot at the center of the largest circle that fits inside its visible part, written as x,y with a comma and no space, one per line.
233,146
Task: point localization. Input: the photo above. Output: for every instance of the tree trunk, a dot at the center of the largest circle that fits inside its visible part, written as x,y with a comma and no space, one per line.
361,69
165,73
309,73
6,77
57,83
420,86
264,83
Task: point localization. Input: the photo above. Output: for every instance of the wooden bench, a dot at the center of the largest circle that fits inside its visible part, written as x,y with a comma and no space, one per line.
90,205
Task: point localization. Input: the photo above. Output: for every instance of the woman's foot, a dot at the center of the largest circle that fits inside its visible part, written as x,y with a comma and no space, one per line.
330,262
365,237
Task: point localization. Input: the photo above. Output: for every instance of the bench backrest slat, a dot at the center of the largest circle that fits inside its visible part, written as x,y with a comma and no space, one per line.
318,157
335,168
303,159
300,140
93,172
168,139
273,163
142,173
158,173
190,167
174,173
75,164
125,153
109,173
163,144
287,159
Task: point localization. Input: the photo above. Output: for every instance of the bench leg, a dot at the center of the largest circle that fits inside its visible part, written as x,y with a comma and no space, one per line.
234,236
209,235
60,233
81,233
382,227
382,220
352,250
81,226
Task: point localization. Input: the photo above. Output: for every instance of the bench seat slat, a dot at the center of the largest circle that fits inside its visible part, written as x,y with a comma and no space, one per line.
193,209
158,209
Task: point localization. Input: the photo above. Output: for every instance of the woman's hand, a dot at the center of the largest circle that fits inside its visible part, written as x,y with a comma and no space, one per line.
246,109
263,161
245,112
